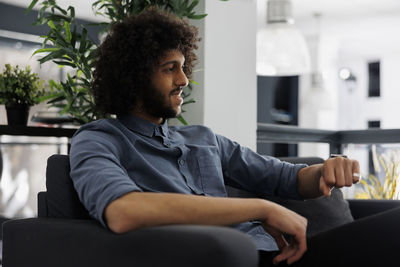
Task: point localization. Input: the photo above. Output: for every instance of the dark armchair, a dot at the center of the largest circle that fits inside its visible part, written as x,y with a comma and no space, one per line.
64,235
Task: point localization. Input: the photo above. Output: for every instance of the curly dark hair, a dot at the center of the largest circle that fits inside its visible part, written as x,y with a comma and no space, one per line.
127,58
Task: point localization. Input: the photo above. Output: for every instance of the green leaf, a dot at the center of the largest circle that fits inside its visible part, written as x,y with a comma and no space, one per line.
52,55
60,9
200,16
59,39
33,3
42,50
45,98
182,120
57,97
73,38
193,5
83,41
72,11
64,63
67,31
59,18
51,24
190,101
194,82
96,3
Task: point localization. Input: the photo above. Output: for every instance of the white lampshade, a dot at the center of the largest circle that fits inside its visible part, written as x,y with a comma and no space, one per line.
281,49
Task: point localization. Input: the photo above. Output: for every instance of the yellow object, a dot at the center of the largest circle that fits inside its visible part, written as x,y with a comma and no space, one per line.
373,188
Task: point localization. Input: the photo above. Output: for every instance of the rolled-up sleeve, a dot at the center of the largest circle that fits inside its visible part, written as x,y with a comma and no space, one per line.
259,174
97,173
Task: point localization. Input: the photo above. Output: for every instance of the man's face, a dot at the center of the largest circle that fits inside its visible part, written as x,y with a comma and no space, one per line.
162,100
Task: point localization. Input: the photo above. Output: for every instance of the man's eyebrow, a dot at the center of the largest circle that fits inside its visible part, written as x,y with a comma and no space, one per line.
170,62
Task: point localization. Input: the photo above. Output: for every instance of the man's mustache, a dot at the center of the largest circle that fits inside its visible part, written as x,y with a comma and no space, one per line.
175,91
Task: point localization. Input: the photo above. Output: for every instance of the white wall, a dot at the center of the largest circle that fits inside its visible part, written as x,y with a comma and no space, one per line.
352,42
230,81
194,113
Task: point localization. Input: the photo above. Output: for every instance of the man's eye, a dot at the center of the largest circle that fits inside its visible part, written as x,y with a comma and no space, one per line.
170,69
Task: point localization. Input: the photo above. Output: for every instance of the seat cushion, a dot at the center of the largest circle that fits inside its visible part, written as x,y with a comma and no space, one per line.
61,197
322,213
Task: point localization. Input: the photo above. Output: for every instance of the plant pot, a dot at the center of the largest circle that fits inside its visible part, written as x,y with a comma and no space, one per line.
17,114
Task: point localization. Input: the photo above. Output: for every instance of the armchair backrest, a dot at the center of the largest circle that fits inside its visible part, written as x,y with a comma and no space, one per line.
60,200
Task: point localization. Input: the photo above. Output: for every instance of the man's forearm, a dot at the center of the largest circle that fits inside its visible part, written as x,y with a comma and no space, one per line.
308,180
137,210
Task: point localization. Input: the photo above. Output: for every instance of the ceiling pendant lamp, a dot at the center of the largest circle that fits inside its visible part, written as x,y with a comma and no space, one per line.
281,49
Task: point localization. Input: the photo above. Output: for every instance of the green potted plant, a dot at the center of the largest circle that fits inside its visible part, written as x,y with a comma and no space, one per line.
19,90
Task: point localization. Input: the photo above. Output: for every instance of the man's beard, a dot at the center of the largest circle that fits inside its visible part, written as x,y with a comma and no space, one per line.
157,105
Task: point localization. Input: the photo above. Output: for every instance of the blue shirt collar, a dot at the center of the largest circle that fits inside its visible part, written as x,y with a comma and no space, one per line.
144,127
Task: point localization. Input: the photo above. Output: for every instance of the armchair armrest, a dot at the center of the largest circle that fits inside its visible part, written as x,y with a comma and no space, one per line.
364,207
62,243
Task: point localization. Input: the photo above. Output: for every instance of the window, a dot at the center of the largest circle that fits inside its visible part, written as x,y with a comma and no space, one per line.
374,80
374,124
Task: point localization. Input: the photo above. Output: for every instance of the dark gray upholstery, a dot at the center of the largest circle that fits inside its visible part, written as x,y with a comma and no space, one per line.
322,213
62,199
48,242
63,235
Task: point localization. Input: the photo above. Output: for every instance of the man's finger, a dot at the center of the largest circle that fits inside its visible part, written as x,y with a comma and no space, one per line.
285,254
278,236
324,188
339,173
348,172
356,171
301,249
328,172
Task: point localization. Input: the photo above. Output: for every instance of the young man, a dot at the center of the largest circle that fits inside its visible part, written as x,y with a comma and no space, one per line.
136,171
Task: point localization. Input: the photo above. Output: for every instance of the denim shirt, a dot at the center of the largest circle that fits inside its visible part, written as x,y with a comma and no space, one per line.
112,157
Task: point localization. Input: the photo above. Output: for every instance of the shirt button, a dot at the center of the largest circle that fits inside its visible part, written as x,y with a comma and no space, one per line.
181,162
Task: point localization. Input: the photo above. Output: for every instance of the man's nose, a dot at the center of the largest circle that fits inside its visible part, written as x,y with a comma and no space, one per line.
182,80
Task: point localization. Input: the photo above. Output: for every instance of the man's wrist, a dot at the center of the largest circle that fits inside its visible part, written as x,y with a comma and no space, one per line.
308,181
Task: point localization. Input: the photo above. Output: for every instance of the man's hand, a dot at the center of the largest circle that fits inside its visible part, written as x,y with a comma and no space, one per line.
284,221
338,172
319,179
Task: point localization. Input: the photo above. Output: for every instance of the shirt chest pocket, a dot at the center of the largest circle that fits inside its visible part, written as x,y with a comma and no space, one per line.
211,176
